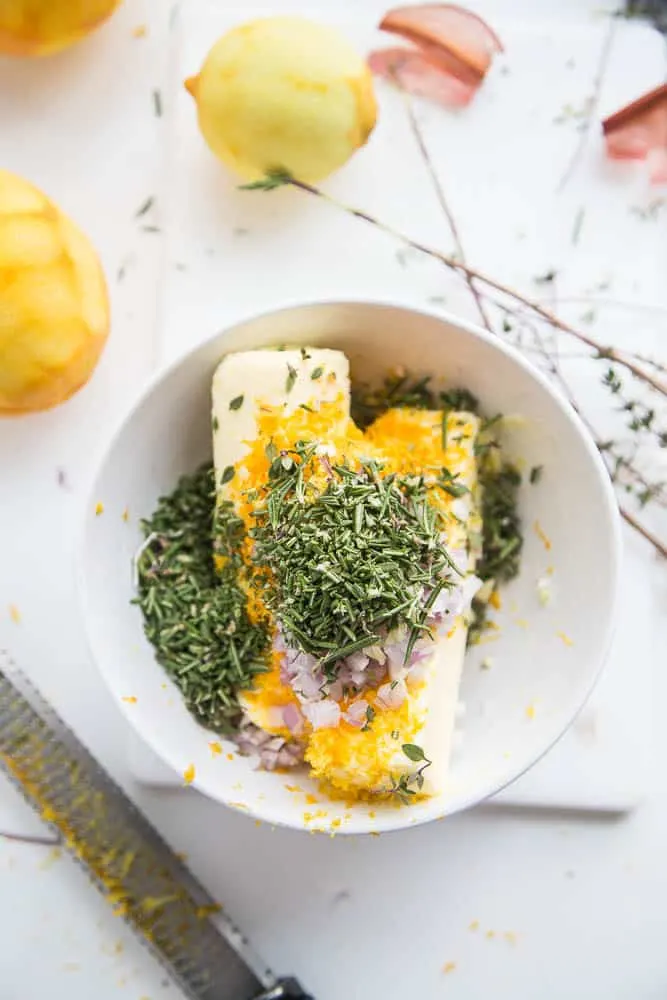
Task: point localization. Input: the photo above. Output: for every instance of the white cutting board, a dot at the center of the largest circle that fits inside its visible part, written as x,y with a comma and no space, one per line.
228,253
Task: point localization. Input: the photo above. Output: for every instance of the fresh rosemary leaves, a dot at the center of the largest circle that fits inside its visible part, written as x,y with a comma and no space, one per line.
499,481
194,614
351,562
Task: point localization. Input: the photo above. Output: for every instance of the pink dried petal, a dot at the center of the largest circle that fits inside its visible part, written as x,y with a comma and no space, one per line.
422,76
463,43
639,132
657,166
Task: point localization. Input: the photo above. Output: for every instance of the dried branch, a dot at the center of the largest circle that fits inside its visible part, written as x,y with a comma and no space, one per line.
599,350
442,199
22,838
527,313
592,106
659,546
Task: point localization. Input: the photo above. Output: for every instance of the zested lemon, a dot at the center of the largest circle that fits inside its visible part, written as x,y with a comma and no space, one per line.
54,312
40,27
284,93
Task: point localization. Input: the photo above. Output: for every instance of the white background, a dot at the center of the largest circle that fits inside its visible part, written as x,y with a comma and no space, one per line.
567,907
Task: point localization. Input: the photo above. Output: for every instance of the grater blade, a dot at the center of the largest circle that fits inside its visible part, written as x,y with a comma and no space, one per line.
126,858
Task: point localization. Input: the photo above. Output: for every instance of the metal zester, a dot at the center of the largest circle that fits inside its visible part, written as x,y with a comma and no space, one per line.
124,855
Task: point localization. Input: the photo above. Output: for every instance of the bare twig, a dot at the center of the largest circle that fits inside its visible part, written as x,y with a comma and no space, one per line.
442,199
632,474
28,839
593,103
659,546
598,349
524,311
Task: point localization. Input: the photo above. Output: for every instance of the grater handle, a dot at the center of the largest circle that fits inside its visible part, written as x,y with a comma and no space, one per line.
107,834
285,989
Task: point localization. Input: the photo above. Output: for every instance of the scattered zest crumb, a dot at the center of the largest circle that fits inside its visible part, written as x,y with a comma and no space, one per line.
521,623
565,638
490,935
215,748
495,600
312,800
230,756
486,663
14,614
473,925
309,817
126,515
99,508
544,591
140,31
530,711
448,967
189,774
510,937
539,531
130,699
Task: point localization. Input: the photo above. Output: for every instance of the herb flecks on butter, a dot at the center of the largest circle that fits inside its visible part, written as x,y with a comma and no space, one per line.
352,561
499,481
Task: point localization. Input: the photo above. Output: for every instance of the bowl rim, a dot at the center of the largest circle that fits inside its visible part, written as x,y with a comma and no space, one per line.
402,819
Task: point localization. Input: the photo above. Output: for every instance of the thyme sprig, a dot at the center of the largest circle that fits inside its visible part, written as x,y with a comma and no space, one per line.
522,311
352,562
194,609
408,784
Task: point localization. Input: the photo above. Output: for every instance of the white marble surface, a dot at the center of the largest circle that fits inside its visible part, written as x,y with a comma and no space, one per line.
567,907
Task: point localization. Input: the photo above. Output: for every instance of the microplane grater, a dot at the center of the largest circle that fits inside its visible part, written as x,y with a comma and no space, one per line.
125,857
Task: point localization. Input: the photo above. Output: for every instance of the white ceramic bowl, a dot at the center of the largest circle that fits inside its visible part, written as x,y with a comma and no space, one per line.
545,660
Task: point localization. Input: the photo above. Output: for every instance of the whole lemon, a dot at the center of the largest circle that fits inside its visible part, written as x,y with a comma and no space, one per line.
283,93
39,27
54,312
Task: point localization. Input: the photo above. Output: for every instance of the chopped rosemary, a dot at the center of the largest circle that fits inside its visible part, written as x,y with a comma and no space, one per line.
194,615
317,373
449,484
227,475
236,403
499,481
291,378
501,527
350,563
